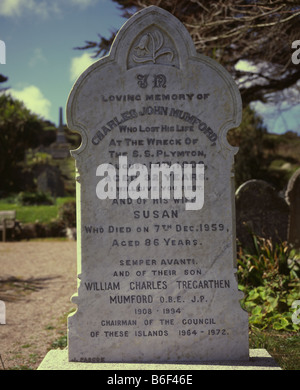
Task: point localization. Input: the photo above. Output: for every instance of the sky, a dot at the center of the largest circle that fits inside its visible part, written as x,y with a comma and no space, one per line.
42,65
40,37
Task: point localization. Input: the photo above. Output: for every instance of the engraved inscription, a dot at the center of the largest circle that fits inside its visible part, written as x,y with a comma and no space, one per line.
156,272
159,81
142,80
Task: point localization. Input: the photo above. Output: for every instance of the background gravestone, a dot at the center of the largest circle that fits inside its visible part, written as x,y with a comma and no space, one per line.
156,282
260,211
49,180
293,199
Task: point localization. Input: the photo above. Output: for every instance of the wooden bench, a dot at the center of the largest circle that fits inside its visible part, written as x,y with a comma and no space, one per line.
7,221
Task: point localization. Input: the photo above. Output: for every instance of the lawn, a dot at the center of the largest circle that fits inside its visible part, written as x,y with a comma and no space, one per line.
31,214
284,347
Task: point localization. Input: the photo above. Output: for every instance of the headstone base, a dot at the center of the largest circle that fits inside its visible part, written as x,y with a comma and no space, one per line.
260,359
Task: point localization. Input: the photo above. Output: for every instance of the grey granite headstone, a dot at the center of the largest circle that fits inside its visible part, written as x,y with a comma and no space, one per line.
260,211
156,276
293,199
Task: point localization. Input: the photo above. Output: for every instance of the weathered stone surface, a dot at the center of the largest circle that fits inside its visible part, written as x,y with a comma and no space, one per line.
156,280
293,199
260,211
260,359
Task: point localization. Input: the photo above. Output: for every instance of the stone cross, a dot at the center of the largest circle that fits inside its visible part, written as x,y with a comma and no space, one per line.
155,202
60,137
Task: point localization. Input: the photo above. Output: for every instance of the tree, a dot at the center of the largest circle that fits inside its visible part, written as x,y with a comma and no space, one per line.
249,137
3,79
259,32
19,130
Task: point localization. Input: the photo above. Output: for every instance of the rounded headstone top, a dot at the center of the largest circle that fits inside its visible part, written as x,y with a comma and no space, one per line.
259,194
260,211
293,188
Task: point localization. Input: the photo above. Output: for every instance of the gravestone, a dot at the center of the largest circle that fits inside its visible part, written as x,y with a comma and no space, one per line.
260,211
49,180
293,199
155,251
2,313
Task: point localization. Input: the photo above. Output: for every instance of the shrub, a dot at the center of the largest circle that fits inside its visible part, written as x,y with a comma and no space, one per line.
54,228
34,198
270,281
67,213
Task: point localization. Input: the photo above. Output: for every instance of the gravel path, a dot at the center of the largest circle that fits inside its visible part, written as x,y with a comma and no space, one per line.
37,280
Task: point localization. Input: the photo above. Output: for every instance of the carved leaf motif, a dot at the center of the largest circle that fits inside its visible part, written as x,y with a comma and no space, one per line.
150,49
143,45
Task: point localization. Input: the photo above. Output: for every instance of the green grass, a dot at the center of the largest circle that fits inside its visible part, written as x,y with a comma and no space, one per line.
31,214
284,347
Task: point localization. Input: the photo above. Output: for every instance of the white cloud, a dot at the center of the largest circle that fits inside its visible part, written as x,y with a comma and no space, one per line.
246,66
37,57
18,7
41,8
252,73
10,7
33,99
83,3
79,64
